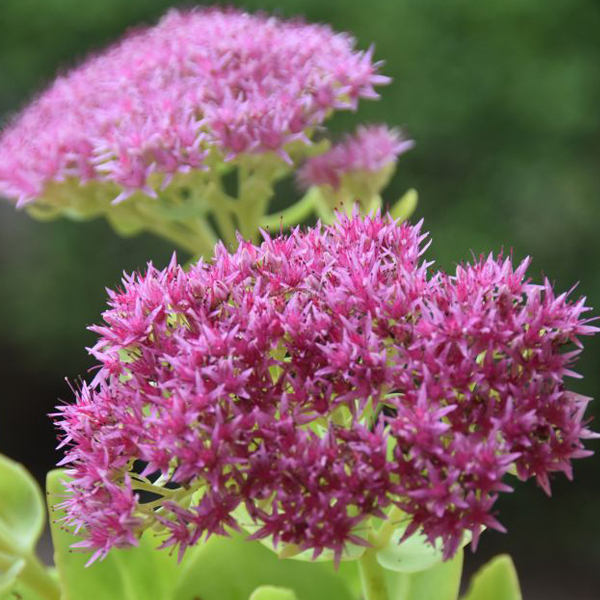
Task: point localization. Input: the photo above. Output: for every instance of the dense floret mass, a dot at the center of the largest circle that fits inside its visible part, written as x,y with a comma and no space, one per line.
299,387
200,86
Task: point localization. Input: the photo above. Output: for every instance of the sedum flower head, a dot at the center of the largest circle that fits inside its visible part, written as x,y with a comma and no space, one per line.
358,167
200,87
300,387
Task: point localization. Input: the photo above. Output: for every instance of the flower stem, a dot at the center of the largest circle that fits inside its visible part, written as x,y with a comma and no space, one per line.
372,576
385,532
195,237
293,215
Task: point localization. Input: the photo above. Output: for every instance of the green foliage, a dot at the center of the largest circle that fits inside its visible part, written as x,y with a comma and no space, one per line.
412,555
497,580
268,592
222,568
19,591
22,517
233,568
125,574
441,581
22,513
21,520
11,568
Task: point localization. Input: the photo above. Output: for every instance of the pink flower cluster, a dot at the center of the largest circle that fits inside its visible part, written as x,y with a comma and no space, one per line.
161,99
315,380
370,150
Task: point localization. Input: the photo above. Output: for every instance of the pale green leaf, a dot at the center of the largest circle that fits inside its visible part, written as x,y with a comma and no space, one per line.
411,555
19,591
269,592
497,580
14,587
132,574
442,582
22,512
230,568
233,568
10,568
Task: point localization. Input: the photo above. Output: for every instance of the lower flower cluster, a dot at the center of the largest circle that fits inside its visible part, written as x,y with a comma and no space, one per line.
314,381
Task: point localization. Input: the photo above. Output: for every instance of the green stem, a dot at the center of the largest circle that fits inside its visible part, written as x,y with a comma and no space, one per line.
192,241
384,534
255,191
223,208
293,215
139,484
324,211
226,226
372,576
204,236
373,204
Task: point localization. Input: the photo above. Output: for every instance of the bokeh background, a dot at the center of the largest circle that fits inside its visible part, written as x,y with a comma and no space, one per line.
503,100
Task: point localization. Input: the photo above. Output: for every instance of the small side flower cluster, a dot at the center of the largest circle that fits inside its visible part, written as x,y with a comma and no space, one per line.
200,87
315,380
359,166
354,171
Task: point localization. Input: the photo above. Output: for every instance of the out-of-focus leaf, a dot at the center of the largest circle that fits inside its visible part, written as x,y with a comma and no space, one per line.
269,592
497,580
18,591
442,582
22,511
233,568
230,568
9,571
411,555
131,574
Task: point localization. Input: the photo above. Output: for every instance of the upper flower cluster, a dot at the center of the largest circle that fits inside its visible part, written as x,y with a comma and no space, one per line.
299,387
170,98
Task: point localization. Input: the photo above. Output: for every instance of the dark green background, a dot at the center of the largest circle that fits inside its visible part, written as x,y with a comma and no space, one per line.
503,99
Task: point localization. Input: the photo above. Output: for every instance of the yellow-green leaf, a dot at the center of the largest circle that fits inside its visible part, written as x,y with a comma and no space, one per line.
497,580
269,592
22,512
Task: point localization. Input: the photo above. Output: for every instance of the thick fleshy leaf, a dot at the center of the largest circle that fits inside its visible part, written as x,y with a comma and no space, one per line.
131,574
233,568
497,580
18,591
269,592
349,572
411,555
441,582
22,512
10,568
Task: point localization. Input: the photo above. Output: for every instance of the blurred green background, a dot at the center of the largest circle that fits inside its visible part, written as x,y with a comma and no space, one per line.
503,99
